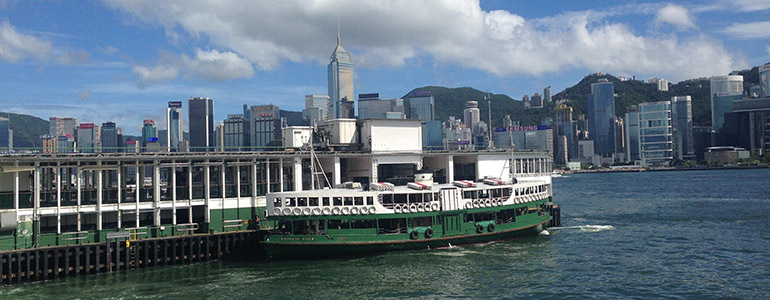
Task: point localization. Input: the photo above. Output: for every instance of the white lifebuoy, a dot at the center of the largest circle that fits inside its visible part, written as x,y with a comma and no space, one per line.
487,203
326,211
420,207
372,210
336,211
434,206
277,211
354,210
306,211
499,202
475,203
397,208
297,211
287,211
413,208
316,211
468,205
346,210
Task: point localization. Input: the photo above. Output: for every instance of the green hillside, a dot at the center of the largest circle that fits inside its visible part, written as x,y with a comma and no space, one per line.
26,129
451,102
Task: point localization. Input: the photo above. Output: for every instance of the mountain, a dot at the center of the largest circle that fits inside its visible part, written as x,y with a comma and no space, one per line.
26,129
451,102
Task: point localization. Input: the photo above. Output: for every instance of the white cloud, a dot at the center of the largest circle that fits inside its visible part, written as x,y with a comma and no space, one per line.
75,57
219,66
675,15
749,30
15,46
749,5
156,74
390,33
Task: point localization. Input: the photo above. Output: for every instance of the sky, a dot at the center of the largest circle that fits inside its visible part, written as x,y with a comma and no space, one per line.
123,60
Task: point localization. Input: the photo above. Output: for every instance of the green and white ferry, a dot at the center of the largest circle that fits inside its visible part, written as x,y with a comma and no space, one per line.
421,215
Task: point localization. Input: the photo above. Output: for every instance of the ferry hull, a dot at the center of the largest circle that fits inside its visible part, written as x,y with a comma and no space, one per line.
303,250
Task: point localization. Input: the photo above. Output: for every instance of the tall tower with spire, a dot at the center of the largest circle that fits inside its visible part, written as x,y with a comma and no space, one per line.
340,72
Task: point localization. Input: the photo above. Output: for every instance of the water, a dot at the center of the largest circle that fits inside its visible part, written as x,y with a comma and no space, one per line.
678,235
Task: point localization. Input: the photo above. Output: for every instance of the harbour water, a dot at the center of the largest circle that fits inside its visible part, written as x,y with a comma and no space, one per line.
680,235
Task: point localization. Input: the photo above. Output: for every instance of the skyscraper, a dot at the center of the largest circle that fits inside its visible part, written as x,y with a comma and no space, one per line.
421,106
564,122
62,126
724,89
681,116
632,134
149,131
86,137
109,137
265,126
233,135
340,72
764,80
316,109
536,101
471,114
173,125
370,106
601,117
201,119
655,133
547,94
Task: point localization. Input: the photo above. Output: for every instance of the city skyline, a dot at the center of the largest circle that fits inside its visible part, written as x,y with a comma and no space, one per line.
123,62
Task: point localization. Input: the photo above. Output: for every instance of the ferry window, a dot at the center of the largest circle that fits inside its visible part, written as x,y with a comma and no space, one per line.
421,222
470,194
415,198
313,201
392,226
325,201
290,202
338,224
497,193
337,201
468,218
399,198
506,192
428,197
362,224
369,200
302,201
387,198
484,194
359,201
277,202
348,200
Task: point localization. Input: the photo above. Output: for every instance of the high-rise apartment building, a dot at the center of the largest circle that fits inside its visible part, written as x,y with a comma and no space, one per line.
724,90
421,106
547,94
201,119
340,75
681,117
655,133
536,101
109,137
6,134
601,117
173,126
149,132
660,84
563,120
234,133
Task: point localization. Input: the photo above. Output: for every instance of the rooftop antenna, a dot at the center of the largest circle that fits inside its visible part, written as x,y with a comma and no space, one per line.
338,31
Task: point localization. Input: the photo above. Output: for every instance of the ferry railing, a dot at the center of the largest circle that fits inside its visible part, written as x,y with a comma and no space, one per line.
189,227
137,232
232,223
75,235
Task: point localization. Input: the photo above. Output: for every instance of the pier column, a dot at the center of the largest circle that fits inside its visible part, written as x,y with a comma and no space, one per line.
156,193
337,171
450,168
254,183
297,174
206,191
99,198
16,190
189,191
267,171
78,185
120,185
280,174
373,171
136,192
36,194
173,192
58,197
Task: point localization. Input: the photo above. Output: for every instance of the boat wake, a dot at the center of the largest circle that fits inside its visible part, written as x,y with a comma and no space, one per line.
586,228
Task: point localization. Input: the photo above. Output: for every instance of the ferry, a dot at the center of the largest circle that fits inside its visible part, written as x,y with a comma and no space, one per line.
421,215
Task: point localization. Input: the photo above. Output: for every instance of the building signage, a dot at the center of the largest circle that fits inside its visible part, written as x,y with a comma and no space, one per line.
86,126
266,115
522,128
175,104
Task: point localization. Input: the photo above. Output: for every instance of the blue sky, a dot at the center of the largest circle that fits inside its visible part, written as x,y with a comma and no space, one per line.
122,61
